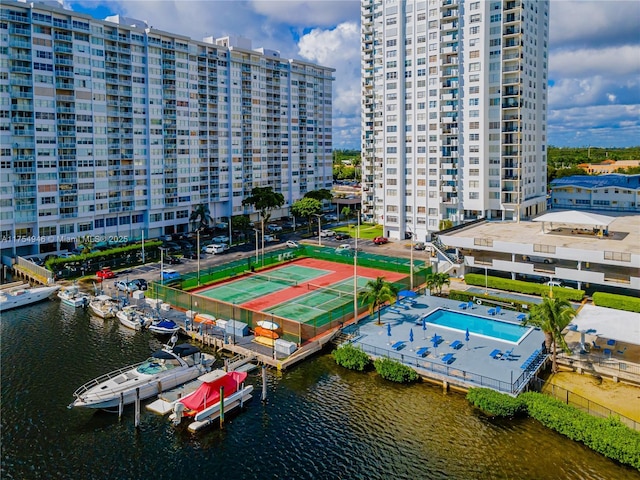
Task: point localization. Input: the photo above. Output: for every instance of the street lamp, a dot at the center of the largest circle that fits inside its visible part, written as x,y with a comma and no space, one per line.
161,265
319,229
485,281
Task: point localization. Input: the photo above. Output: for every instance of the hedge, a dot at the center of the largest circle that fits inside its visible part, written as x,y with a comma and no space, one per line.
395,371
465,296
55,264
350,357
523,287
607,436
619,302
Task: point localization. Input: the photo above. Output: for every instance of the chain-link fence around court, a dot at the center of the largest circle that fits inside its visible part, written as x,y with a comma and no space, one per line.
295,331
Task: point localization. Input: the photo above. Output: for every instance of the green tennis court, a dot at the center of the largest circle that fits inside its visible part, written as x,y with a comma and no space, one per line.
260,285
319,300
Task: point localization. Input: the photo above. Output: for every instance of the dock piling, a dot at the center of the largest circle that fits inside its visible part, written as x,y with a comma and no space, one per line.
264,383
120,405
221,406
137,418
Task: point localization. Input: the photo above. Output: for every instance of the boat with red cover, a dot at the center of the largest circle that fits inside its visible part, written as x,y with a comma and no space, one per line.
204,405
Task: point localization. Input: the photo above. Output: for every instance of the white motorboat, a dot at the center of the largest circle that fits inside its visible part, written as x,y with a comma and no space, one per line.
203,406
132,317
167,368
73,297
21,297
103,306
163,326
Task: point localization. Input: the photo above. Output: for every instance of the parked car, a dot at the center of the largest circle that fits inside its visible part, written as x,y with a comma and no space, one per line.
270,238
342,236
380,240
138,284
556,283
122,286
171,260
330,218
291,244
191,255
170,275
37,260
288,225
274,228
105,273
419,246
345,247
222,225
327,233
216,248
220,239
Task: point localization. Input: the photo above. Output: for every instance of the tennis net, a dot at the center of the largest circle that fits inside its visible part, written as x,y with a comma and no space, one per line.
332,291
273,278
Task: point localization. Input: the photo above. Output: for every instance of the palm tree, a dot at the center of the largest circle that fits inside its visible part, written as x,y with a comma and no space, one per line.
376,293
435,281
200,217
552,316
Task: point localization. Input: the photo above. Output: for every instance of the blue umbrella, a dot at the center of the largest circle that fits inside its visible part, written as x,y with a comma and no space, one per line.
411,335
424,327
407,293
388,329
466,336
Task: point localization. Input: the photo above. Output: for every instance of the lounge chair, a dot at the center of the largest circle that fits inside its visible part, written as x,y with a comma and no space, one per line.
394,310
498,310
491,311
463,306
522,316
611,342
397,345
607,352
573,327
595,345
621,352
470,305
448,358
507,355
496,354
456,344
422,352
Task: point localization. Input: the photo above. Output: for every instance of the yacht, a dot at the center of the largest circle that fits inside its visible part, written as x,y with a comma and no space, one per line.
23,296
167,368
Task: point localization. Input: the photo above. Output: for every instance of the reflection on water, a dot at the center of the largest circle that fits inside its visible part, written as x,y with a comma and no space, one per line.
321,421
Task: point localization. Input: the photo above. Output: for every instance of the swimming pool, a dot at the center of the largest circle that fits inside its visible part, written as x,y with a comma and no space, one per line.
508,332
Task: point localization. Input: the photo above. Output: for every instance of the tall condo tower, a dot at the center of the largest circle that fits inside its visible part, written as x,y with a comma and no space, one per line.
454,115
115,130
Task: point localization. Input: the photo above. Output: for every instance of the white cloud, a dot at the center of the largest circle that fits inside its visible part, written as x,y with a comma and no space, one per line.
322,13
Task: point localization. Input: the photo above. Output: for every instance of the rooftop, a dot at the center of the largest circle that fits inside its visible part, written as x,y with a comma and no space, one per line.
624,234
599,181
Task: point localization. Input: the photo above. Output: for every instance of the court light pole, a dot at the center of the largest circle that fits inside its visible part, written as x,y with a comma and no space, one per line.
319,229
411,261
355,275
256,230
198,253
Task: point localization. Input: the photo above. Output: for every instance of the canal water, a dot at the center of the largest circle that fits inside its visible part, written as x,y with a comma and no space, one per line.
320,422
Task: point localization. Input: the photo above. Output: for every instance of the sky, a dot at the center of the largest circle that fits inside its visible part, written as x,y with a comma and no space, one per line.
594,55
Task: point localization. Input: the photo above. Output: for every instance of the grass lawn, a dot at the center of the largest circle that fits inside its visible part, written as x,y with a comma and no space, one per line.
366,231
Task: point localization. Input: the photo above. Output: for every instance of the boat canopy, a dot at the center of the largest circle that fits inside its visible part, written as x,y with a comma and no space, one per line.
182,350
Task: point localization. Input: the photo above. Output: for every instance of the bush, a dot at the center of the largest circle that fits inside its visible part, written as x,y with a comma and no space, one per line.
350,357
621,302
395,371
465,296
495,403
607,436
523,287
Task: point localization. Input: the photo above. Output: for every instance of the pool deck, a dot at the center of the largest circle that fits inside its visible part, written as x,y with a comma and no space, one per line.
470,364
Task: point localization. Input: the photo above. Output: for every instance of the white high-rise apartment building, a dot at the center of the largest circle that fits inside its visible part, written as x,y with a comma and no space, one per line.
454,111
116,130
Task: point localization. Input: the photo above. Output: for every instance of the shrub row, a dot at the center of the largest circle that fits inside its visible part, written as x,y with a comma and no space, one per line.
607,436
620,302
353,358
523,287
464,296
55,264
